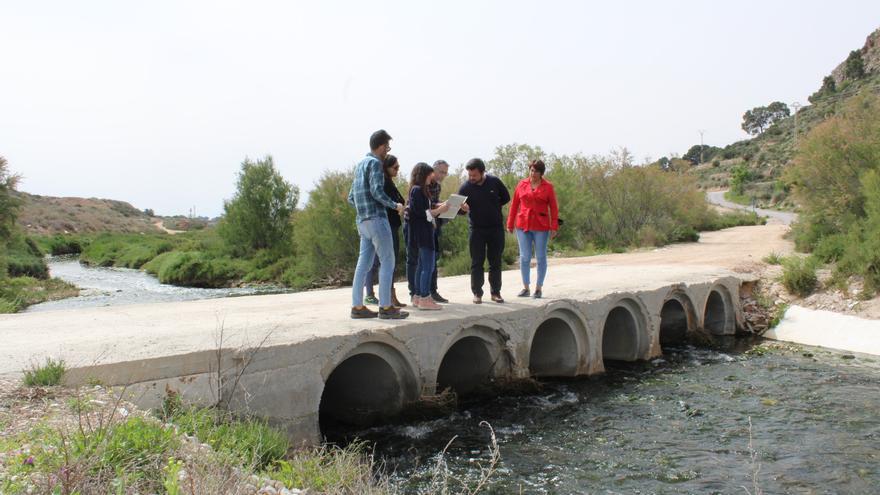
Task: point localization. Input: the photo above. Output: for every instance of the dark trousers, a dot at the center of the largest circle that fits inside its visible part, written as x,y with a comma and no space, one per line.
412,261
373,274
486,243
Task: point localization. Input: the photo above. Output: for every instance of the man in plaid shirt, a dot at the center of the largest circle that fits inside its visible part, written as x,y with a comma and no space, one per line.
368,197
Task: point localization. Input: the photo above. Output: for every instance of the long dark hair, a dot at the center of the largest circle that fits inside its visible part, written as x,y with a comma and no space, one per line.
389,162
419,177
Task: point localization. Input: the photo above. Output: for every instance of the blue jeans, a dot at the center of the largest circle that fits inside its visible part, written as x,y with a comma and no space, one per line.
525,239
425,272
375,242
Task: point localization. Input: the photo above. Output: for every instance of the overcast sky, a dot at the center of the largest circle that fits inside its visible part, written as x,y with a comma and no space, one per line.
157,103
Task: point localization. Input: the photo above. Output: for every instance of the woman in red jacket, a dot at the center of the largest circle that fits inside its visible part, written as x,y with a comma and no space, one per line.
535,215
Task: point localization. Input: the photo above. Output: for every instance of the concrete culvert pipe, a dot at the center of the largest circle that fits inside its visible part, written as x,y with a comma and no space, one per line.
466,366
715,320
554,350
620,336
362,390
673,323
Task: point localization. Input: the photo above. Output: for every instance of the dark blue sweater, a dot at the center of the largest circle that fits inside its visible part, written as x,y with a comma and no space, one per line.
421,231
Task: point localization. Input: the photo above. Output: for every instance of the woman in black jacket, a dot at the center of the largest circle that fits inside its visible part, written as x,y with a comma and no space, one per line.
421,233
391,167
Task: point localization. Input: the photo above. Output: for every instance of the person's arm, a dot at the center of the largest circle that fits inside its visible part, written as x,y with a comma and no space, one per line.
514,207
377,186
503,193
554,212
465,208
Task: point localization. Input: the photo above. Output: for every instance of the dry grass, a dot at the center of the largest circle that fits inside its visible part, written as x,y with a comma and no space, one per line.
49,215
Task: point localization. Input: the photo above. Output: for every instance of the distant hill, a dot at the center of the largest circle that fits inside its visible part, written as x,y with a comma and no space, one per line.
767,155
51,215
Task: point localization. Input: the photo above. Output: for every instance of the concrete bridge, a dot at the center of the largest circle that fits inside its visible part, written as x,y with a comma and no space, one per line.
296,359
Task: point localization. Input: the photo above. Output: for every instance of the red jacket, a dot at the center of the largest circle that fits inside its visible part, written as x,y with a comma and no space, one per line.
534,210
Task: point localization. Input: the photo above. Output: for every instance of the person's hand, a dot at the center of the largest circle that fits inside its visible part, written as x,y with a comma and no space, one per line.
400,208
465,208
444,207
510,229
553,234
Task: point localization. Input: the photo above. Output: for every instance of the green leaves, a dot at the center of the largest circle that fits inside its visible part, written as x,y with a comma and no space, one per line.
259,215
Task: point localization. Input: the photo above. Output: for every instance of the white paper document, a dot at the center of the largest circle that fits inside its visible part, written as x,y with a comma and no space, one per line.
455,201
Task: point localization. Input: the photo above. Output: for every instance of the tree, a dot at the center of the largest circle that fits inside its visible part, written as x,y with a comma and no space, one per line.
511,162
8,203
756,120
854,67
259,215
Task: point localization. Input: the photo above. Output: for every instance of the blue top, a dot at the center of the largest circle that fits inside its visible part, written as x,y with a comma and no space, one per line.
367,193
421,232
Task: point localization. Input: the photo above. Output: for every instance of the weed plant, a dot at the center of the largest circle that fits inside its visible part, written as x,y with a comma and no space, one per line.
46,375
799,275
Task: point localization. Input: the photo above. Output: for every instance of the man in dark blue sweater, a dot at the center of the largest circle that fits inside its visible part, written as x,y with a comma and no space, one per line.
486,194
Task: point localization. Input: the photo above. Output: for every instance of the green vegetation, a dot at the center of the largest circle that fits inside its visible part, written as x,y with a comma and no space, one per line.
46,375
258,217
799,275
756,120
24,276
773,259
836,178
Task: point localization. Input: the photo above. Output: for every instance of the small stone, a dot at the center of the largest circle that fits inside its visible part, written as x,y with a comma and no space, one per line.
847,356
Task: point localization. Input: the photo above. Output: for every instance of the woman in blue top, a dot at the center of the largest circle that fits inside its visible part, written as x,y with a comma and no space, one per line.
421,233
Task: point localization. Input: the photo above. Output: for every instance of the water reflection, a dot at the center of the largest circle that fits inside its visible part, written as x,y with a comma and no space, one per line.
114,286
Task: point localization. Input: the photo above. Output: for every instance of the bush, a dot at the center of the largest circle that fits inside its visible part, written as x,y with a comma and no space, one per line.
773,259
125,250
799,275
327,241
47,375
259,215
328,469
196,269
60,245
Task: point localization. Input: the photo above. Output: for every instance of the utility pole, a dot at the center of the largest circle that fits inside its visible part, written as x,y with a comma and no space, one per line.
701,131
797,106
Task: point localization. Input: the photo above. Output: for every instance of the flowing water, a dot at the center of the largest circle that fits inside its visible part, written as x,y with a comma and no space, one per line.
788,420
112,286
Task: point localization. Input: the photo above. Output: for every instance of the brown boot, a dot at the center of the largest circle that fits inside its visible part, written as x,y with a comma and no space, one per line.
394,301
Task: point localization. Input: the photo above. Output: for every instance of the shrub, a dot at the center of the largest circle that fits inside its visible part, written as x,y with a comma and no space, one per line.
47,375
773,259
196,269
799,275
125,250
64,244
327,241
259,215
329,469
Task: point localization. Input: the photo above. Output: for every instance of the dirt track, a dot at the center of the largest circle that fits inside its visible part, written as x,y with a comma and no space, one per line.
739,249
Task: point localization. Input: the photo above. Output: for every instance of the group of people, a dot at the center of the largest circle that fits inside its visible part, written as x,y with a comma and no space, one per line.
382,211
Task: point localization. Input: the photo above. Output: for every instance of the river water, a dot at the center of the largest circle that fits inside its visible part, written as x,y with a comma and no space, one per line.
680,424
112,286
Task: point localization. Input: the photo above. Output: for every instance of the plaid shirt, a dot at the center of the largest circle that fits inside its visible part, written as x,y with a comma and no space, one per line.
367,193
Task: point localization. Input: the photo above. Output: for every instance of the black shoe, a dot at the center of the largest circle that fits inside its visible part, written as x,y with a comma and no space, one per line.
363,312
392,313
537,294
438,298
497,298
524,293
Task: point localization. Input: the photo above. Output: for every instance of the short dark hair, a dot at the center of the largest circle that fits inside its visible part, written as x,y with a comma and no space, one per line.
475,164
538,165
379,138
440,162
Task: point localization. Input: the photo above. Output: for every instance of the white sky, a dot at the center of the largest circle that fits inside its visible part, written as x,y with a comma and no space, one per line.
157,103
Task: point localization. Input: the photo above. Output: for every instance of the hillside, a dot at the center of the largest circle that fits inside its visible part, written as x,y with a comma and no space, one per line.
51,215
763,159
